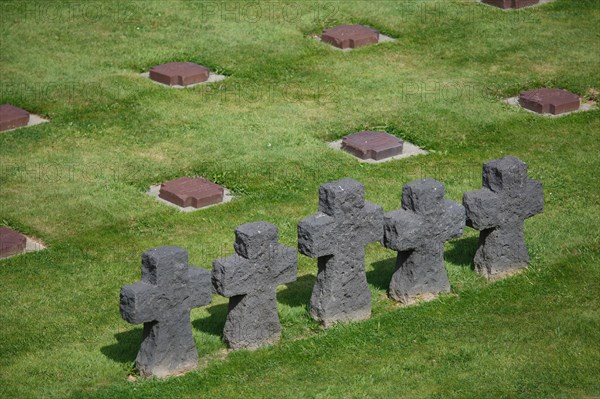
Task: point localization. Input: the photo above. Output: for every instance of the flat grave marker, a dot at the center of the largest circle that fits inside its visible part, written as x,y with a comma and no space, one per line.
11,242
190,193
181,75
12,118
511,4
370,146
375,145
550,102
348,37
14,243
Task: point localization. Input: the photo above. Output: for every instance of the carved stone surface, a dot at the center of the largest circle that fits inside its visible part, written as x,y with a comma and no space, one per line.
337,235
553,101
505,4
11,242
498,210
372,145
249,278
350,36
179,73
196,192
12,117
418,232
162,300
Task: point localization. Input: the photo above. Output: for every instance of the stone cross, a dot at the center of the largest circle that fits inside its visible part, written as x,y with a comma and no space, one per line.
162,300
337,235
418,232
499,210
249,278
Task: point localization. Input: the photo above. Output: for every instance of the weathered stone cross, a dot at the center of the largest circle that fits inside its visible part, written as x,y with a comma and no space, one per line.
249,278
418,232
337,235
499,210
162,300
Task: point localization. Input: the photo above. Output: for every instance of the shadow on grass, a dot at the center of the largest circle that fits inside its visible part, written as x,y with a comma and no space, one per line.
297,293
381,275
126,348
462,252
214,323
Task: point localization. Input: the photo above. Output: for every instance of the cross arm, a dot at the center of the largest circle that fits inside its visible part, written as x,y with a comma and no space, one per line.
372,223
139,302
482,207
199,286
316,235
285,265
534,198
453,223
403,230
233,276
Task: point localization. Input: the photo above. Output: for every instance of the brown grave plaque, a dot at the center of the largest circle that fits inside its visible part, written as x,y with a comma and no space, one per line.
350,36
12,117
372,145
506,4
196,192
553,101
11,242
179,73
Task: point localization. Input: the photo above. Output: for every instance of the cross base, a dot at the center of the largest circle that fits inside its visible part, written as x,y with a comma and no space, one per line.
326,322
341,292
252,321
420,275
167,350
501,252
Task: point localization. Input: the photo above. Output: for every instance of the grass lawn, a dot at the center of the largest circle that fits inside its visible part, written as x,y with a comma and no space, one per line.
78,184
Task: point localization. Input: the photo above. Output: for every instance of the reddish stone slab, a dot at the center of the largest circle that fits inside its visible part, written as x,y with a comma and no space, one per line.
191,191
12,117
372,145
505,4
350,36
11,242
179,73
553,101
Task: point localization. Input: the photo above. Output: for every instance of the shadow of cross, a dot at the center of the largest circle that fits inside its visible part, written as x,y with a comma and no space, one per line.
250,279
337,235
499,210
418,232
162,300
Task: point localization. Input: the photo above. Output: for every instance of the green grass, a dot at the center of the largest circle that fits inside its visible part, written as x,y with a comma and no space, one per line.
78,184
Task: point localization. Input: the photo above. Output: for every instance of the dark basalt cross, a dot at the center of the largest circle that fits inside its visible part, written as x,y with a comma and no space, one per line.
337,235
162,300
499,210
418,232
249,278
